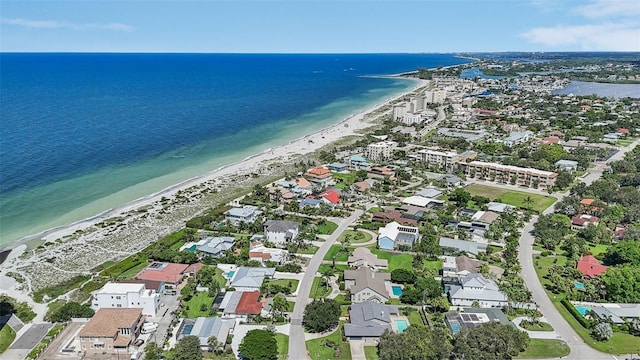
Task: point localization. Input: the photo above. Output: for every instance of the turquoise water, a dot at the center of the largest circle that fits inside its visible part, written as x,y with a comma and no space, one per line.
397,290
578,285
402,325
583,310
192,249
83,133
455,327
230,274
186,330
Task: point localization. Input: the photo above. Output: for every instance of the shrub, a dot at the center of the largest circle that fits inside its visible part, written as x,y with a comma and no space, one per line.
576,314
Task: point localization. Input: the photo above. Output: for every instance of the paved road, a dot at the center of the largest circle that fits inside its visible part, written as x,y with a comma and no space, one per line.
579,349
297,348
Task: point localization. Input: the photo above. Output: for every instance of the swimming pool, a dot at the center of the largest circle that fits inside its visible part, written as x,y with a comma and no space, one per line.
402,325
186,330
583,310
578,285
230,274
396,290
455,327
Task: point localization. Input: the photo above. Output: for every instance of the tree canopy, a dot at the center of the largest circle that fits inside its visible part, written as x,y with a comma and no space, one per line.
403,276
415,343
624,252
259,344
490,341
188,348
321,315
71,310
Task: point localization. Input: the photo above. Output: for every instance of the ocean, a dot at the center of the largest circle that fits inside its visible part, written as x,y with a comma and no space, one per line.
83,133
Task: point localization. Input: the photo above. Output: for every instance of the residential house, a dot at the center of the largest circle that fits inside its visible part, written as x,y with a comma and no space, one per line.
215,246
518,137
313,203
205,327
357,162
380,172
388,216
246,214
368,320
475,288
168,273
450,180
280,232
366,285
362,186
430,193
460,266
567,165
239,304
250,278
120,295
579,222
321,177
469,317
500,207
394,235
615,313
258,252
338,167
590,267
457,245
422,202
362,257
110,331
331,197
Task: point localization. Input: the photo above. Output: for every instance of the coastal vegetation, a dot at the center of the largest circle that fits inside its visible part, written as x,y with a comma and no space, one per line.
22,310
7,335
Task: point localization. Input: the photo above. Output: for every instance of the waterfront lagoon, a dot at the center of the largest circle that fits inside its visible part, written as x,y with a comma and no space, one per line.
617,91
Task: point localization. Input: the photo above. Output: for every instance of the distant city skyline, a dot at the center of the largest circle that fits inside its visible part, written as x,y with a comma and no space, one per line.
305,26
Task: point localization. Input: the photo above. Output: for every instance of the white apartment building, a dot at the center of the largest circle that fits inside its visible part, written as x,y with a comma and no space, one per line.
435,96
122,295
412,118
515,175
441,158
380,151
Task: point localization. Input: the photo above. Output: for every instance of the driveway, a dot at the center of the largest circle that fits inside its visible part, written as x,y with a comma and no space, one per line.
536,334
357,350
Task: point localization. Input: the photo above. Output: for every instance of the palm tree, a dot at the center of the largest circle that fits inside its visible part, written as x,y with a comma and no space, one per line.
528,202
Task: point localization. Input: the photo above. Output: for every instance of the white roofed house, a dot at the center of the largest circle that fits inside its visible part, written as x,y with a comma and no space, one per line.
216,246
123,295
206,327
249,278
281,232
246,214
368,320
476,288
394,235
261,253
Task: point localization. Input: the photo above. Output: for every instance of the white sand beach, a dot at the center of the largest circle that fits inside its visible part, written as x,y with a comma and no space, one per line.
79,247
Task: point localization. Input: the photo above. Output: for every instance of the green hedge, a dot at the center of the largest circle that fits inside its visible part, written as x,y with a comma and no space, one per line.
576,314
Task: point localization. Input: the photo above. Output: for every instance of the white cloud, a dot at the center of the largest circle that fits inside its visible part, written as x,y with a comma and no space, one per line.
52,24
608,36
610,8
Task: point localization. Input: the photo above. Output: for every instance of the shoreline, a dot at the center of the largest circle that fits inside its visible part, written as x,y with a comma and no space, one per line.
300,147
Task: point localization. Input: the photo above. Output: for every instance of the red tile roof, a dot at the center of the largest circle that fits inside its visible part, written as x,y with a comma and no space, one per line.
171,273
589,266
249,303
332,196
623,131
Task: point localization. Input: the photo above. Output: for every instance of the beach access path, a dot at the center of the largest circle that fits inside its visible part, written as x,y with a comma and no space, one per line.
297,345
579,349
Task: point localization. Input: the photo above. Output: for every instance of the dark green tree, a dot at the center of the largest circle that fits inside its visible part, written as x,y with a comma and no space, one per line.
259,344
71,310
624,252
188,348
152,351
490,341
403,276
321,315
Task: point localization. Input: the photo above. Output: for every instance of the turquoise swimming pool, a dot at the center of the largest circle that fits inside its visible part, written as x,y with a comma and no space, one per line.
230,274
396,290
578,285
583,310
402,325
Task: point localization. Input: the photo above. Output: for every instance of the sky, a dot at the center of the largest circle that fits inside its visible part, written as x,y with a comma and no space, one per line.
306,26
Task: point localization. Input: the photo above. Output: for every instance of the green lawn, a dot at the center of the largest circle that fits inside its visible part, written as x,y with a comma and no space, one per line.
396,261
596,250
336,251
540,326
542,265
219,278
288,283
414,318
317,290
318,349
512,197
355,237
371,352
290,305
129,274
193,306
347,179
310,250
339,268
543,348
283,346
7,335
326,227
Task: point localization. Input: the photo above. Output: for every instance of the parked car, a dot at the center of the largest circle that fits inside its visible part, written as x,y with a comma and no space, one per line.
138,342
